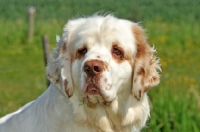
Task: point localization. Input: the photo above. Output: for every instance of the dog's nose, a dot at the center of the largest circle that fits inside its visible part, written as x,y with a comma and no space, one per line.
93,67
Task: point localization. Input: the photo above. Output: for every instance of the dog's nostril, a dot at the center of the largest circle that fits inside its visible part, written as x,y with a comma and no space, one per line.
87,69
96,69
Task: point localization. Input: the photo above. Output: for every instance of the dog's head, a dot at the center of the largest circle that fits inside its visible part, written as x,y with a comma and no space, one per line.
98,58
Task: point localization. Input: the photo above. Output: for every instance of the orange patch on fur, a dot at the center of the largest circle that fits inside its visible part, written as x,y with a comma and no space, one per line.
154,79
141,72
143,48
64,48
143,56
65,83
143,90
66,89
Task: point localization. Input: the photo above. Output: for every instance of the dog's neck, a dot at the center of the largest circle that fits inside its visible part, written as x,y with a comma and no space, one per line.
120,115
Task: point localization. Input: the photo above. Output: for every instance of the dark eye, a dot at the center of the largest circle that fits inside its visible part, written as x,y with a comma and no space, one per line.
117,52
82,51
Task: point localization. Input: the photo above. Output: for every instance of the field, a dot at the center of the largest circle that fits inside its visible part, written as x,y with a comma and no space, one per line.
172,27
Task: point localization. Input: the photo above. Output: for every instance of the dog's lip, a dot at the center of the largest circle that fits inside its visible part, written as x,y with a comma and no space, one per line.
92,89
92,94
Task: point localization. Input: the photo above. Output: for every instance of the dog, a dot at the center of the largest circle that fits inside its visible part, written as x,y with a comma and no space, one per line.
100,72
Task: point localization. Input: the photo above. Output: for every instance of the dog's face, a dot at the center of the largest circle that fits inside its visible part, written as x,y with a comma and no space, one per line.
102,62
99,58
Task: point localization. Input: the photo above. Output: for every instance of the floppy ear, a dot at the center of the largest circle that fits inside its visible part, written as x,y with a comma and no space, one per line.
59,65
146,65
58,69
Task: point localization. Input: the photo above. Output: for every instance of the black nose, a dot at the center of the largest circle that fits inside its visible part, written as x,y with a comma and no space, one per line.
93,67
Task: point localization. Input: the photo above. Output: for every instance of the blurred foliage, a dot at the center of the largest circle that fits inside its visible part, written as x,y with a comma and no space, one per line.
138,10
172,27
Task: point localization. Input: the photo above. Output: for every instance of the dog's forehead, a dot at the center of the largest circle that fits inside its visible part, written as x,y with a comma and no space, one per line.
105,32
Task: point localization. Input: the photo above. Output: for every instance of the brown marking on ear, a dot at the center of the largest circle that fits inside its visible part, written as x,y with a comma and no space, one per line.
144,89
49,76
145,65
66,89
150,81
154,78
64,48
141,72
57,81
138,96
143,48
152,61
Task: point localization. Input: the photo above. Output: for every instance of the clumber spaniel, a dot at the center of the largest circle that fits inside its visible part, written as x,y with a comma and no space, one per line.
100,72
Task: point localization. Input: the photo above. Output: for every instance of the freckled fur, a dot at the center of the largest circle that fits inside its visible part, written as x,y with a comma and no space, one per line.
146,65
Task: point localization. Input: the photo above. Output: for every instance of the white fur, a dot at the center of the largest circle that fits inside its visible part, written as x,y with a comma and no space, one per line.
63,108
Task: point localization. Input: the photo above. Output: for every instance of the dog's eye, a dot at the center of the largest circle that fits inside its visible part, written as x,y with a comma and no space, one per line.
117,52
82,51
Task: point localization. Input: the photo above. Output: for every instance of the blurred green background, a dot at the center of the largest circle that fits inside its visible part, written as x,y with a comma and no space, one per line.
173,27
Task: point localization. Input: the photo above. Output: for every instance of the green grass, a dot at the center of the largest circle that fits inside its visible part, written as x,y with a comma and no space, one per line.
176,101
172,28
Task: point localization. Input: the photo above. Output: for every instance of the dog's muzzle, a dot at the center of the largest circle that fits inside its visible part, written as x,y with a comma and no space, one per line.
93,69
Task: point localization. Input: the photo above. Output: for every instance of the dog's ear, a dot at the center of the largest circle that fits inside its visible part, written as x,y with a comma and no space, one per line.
58,69
53,65
59,65
146,65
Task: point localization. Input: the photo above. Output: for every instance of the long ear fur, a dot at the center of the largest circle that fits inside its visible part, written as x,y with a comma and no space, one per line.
53,66
59,67
66,71
146,65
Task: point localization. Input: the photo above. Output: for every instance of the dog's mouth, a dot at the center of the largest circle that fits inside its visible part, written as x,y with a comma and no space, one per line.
92,95
93,89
